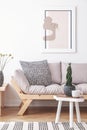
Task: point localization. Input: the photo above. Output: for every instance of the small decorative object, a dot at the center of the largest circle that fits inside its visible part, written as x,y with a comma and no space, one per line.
77,93
68,86
4,59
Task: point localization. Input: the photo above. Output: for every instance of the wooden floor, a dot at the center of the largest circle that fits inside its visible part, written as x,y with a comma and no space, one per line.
39,114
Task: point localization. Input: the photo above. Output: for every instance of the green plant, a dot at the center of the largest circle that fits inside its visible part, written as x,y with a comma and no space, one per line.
4,59
69,75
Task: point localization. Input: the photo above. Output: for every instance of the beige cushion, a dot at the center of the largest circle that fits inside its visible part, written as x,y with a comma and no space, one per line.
79,72
53,89
37,89
21,80
82,88
55,72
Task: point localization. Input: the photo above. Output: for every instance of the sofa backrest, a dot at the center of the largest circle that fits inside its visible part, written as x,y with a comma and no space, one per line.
79,72
55,69
58,72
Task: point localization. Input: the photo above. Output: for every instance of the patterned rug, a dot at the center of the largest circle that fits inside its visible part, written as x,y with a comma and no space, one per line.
41,126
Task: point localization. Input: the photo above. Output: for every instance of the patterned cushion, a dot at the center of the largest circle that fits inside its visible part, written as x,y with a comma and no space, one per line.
50,89
37,89
37,73
54,89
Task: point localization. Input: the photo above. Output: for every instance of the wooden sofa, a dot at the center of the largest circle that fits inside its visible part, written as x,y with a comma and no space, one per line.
57,69
26,99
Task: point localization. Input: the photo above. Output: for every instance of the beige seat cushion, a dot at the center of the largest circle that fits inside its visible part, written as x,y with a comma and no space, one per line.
37,89
55,89
82,87
48,90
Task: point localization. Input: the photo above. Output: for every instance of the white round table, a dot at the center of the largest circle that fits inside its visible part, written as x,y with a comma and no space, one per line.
71,100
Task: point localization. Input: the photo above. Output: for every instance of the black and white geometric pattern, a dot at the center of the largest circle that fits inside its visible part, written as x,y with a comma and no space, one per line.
41,126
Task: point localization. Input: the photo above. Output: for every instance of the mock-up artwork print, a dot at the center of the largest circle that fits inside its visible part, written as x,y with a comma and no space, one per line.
58,30
51,27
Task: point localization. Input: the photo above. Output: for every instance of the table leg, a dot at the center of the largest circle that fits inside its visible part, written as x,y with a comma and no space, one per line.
58,111
71,114
77,112
0,102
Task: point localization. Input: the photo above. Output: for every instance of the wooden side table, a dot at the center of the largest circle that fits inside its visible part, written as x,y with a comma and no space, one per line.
2,90
71,100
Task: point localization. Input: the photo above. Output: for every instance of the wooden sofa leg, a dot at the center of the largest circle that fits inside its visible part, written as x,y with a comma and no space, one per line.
21,104
23,108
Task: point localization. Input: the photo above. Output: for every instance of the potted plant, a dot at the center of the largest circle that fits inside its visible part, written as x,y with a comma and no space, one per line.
4,59
68,86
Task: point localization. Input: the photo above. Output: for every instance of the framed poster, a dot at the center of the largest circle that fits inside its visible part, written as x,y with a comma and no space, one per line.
59,30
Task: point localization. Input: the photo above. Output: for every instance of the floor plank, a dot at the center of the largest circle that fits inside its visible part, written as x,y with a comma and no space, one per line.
39,114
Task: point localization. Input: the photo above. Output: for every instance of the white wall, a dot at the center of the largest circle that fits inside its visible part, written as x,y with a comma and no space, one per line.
21,33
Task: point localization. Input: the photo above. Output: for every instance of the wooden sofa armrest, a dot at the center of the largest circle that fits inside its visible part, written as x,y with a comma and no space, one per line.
23,95
27,98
